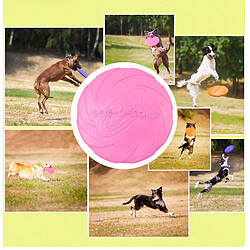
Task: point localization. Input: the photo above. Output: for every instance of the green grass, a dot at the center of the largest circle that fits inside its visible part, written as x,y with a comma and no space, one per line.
66,191
220,191
133,49
62,96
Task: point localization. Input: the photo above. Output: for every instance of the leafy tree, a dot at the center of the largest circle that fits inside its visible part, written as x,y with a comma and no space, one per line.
136,24
58,40
221,144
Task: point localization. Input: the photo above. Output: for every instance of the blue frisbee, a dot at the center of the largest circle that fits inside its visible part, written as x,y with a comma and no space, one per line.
82,72
229,149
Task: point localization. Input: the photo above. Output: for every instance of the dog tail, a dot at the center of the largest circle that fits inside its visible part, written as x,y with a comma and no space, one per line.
125,203
181,83
168,47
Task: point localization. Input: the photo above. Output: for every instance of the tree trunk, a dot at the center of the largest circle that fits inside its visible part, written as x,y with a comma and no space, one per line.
234,86
142,31
11,37
180,65
180,61
96,42
88,44
121,24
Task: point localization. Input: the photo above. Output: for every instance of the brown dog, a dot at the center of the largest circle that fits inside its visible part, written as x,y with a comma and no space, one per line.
54,73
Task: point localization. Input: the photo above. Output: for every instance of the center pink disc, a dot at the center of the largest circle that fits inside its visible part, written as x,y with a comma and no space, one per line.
124,115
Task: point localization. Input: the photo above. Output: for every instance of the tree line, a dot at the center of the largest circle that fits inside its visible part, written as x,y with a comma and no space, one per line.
229,56
221,144
136,24
87,42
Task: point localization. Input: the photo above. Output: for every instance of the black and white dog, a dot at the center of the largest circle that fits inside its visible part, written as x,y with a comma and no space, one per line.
223,173
159,52
189,141
155,201
206,69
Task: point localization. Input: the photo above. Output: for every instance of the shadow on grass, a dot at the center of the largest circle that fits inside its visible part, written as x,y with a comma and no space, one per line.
122,47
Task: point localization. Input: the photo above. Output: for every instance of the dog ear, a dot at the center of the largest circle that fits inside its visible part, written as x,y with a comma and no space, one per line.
75,56
204,51
214,48
155,31
160,188
145,32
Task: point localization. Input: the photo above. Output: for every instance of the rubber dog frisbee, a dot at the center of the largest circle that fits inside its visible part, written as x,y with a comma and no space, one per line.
218,91
229,149
50,170
190,131
124,115
152,40
82,72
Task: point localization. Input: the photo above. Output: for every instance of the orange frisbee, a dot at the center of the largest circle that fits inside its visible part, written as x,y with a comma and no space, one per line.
218,91
190,131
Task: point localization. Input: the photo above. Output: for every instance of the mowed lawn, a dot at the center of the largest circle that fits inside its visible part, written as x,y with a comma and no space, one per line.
224,197
169,160
109,218
133,49
65,191
21,107
227,112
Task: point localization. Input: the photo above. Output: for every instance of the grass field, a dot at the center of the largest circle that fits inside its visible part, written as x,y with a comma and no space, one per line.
133,49
224,197
67,188
109,188
200,159
21,107
227,112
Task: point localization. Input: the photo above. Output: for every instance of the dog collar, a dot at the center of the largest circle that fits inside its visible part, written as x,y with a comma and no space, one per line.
70,62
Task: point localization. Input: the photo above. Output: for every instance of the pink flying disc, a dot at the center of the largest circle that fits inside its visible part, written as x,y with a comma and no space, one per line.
123,115
50,170
152,40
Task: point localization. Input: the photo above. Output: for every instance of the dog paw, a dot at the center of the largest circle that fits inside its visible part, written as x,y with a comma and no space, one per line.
196,184
46,112
41,111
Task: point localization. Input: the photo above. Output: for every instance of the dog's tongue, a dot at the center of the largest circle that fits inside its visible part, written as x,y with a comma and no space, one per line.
50,170
152,40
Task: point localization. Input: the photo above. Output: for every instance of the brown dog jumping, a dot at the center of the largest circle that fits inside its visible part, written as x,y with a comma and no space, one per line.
54,73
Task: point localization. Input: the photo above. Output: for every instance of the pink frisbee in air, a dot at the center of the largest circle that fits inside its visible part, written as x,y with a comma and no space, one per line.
152,40
50,170
124,117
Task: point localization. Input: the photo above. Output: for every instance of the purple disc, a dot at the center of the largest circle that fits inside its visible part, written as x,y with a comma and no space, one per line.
229,149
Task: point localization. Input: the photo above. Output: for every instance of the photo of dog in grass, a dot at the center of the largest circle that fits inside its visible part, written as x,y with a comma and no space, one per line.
43,69
190,147
45,170
127,203
210,73
222,188
147,40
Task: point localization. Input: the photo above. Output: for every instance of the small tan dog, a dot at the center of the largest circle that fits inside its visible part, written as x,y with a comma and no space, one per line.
29,172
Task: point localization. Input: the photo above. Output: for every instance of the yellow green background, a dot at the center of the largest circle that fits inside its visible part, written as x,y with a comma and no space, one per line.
192,17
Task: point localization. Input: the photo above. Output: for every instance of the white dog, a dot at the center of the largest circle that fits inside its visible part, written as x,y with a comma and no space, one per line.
206,69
